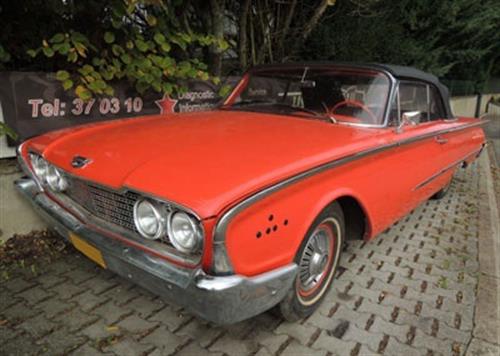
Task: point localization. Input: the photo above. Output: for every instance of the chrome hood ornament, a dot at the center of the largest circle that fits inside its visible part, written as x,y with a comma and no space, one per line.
80,162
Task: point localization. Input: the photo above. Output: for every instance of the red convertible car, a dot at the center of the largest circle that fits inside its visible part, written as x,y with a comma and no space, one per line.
233,211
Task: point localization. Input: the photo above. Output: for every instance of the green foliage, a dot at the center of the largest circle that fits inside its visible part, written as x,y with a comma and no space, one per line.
4,56
7,131
452,38
140,41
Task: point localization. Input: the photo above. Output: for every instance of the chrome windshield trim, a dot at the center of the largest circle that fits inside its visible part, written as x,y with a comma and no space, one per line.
220,230
390,93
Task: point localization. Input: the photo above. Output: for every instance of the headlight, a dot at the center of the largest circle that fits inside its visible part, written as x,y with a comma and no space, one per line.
184,232
148,219
39,165
55,180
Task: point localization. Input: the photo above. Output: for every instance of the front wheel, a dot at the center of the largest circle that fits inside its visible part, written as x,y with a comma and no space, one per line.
317,259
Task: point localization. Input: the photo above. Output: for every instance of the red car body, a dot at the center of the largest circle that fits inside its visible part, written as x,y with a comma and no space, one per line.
257,180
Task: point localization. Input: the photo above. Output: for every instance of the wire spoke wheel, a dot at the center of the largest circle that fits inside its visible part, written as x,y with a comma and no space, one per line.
314,260
317,259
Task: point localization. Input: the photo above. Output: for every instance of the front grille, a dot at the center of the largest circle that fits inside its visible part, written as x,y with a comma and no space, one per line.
113,207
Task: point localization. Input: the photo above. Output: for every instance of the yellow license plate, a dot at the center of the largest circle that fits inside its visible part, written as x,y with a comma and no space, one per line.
87,249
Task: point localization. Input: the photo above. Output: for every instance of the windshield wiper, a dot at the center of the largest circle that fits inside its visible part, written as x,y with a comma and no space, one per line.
328,117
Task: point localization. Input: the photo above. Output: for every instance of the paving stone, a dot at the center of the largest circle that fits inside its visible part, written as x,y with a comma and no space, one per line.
434,344
320,321
67,290
395,347
99,285
18,313
34,295
480,347
88,301
75,319
127,346
269,341
52,307
145,307
7,333
334,345
165,341
121,295
171,318
80,275
99,330
61,266
87,350
7,300
202,332
21,346
48,280
193,349
295,348
18,284
136,325
397,331
301,333
231,346
37,326
61,342
110,312
488,294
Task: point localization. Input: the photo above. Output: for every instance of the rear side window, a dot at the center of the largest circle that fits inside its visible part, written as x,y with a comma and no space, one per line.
417,96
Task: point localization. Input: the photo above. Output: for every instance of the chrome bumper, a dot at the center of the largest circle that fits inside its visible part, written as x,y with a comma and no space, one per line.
220,299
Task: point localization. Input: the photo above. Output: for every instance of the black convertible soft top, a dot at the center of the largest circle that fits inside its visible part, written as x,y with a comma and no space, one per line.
399,72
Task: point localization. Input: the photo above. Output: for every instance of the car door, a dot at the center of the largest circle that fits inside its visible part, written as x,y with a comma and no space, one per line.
421,149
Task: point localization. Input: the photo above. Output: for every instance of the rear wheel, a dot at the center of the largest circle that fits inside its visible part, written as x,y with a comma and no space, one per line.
443,192
317,259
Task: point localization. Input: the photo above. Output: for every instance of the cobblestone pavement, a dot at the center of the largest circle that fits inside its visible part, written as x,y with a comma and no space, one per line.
410,291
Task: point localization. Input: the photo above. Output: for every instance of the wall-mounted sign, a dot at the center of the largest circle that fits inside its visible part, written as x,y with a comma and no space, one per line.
35,103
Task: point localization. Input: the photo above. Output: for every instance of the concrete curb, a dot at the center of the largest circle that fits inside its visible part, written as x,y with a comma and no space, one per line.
486,333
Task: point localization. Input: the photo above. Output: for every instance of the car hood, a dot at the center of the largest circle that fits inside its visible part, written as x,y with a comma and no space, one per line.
205,161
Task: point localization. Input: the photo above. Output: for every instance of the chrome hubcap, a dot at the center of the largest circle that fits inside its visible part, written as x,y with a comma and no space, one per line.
314,259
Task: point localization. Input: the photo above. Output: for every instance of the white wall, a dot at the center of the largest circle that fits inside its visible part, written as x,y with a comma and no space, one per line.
5,151
466,105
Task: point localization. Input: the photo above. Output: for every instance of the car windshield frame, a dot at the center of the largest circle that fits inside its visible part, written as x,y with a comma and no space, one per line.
228,103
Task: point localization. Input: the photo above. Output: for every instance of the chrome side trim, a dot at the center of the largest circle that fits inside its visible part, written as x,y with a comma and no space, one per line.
222,224
446,169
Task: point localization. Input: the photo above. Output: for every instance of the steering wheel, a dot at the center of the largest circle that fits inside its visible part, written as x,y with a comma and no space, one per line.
356,104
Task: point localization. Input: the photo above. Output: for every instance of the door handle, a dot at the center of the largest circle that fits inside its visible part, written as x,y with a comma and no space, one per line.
441,140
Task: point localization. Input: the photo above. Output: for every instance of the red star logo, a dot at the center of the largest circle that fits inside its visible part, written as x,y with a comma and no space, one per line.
166,104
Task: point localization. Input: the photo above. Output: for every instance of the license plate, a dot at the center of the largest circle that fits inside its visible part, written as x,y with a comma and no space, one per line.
87,249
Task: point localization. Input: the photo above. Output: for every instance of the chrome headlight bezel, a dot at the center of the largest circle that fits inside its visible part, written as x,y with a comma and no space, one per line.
192,224
47,174
55,179
156,213
39,166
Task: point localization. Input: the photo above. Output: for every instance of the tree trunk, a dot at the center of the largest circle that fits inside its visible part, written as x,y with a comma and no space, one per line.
243,44
286,27
215,54
311,24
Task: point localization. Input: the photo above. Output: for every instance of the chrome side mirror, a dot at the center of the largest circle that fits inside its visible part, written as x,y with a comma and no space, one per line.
409,118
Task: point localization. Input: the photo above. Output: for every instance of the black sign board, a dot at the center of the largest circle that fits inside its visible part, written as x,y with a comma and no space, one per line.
35,103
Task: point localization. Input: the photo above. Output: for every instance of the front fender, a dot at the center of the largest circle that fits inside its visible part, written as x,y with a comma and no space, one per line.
267,233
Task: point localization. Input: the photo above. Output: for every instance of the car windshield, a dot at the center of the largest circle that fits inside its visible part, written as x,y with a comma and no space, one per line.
345,95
